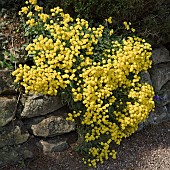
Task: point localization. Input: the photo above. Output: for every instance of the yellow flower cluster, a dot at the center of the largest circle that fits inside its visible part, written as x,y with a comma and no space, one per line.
100,81
100,73
101,153
33,2
38,8
43,17
109,20
127,26
24,10
31,22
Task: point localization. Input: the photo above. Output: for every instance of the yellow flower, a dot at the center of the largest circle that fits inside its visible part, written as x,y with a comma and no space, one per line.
38,8
109,20
126,25
23,10
111,32
33,2
30,14
132,29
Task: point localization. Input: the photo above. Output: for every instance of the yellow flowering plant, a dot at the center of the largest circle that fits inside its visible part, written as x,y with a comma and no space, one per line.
92,68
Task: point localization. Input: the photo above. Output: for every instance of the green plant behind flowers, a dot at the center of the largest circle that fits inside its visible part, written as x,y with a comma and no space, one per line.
95,70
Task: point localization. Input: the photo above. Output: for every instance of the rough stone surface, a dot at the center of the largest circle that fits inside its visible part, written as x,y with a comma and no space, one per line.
145,77
160,74
159,115
7,107
11,155
7,85
160,55
37,105
159,77
52,125
13,134
168,107
164,94
54,145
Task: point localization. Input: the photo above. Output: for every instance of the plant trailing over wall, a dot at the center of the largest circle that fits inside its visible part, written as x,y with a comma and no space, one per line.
95,69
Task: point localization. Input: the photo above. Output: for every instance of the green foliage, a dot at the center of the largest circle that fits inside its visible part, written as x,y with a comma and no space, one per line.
7,60
149,17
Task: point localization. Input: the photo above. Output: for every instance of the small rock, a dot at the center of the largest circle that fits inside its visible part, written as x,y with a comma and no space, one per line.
13,134
54,145
27,154
10,155
7,85
160,55
37,105
7,107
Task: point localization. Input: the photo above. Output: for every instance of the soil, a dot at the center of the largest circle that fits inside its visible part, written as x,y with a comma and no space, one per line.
148,149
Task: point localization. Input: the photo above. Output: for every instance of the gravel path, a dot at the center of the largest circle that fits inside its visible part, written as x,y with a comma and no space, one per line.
145,150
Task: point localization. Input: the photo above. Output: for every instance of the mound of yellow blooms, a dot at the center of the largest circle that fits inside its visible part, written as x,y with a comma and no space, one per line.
98,69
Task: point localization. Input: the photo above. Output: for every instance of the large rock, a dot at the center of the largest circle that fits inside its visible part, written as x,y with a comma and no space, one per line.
51,125
145,77
7,109
11,155
53,145
37,105
160,55
160,74
13,134
7,85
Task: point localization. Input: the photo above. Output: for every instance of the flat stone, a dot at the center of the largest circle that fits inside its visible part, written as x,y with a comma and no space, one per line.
7,108
53,145
7,85
37,105
13,134
51,125
160,55
160,75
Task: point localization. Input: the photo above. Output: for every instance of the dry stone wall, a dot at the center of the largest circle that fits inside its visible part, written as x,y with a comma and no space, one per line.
39,121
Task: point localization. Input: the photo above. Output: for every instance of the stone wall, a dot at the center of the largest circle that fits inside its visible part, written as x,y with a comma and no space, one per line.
28,122
159,77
